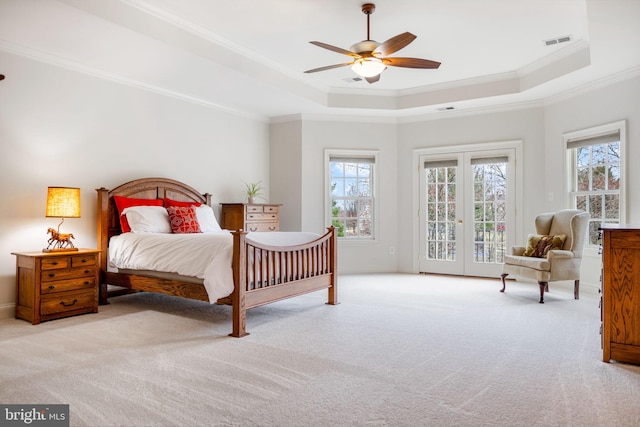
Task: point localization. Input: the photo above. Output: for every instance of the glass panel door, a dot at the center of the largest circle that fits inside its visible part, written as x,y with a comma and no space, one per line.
440,244
466,214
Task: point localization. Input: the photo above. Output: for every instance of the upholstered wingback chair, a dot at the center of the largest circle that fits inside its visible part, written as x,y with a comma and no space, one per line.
553,253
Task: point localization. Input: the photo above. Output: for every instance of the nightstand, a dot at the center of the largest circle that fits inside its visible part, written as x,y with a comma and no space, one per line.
250,216
56,284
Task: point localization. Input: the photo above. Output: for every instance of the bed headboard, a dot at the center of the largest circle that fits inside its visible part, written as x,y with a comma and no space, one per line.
146,188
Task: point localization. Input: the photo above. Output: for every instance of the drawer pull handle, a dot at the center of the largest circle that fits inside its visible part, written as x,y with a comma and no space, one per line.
84,260
86,282
55,263
68,305
272,228
87,271
52,275
51,287
252,229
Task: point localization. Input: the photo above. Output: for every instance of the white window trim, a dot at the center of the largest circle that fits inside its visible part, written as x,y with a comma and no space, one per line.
330,152
621,127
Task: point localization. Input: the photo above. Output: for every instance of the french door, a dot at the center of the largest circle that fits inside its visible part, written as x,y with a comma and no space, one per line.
467,211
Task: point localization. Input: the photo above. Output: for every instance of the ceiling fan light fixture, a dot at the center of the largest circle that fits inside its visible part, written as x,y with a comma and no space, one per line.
368,67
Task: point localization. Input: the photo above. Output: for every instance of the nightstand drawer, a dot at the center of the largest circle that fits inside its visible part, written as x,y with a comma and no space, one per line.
263,226
50,275
84,260
88,282
68,302
55,263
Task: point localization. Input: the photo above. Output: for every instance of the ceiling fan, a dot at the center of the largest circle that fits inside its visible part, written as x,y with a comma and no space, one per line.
370,57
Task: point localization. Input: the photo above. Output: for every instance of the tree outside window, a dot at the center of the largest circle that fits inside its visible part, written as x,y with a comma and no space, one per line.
597,179
352,196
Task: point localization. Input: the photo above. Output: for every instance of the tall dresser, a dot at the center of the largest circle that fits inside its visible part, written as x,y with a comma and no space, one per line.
621,293
250,216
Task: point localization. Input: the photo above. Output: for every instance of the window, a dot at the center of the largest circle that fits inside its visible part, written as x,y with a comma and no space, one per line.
352,193
597,175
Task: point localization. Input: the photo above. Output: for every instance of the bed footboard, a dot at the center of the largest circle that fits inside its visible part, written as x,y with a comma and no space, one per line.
264,273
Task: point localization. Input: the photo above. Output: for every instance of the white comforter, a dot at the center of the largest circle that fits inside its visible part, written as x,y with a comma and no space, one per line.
203,255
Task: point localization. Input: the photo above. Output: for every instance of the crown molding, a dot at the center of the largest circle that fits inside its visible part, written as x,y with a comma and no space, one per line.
68,64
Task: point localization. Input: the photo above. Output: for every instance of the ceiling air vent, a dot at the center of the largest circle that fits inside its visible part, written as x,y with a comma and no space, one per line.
445,108
557,40
352,79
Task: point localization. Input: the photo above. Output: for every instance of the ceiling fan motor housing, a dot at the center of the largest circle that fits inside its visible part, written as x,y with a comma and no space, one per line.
365,46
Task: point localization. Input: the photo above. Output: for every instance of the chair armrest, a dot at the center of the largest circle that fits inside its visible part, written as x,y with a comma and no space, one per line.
559,254
517,250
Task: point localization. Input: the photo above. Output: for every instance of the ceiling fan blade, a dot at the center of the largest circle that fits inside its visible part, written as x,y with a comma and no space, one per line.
335,49
410,62
328,67
373,79
394,44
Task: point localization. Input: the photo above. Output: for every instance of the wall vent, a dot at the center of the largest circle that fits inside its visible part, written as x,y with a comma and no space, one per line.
557,40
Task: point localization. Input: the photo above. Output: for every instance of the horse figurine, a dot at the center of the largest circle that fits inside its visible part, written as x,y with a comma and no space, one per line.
59,240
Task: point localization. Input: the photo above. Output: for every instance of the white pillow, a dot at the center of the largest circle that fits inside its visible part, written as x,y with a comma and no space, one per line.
206,219
148,219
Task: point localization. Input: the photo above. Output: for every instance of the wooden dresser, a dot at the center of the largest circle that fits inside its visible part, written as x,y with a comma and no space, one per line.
621,293
250,216
56,284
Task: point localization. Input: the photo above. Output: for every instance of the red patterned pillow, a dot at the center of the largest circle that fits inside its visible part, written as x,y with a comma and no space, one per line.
126,202
183,219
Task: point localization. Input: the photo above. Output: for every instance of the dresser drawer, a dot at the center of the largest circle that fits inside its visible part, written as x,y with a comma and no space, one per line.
68,302
49,275
262,216
263,226
88,282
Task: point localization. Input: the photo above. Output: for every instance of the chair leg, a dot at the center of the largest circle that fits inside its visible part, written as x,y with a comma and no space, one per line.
502,276
576,289
543,286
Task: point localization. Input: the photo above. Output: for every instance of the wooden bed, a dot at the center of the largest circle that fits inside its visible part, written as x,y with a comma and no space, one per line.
280,272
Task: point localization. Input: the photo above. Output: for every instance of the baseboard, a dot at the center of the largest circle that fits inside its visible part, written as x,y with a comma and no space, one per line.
7,311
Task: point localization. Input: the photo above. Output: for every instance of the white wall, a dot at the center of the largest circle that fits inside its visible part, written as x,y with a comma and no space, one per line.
285,172
613,103
63,128
366,135
526,125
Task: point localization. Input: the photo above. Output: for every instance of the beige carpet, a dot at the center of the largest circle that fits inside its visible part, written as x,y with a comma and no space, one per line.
400,350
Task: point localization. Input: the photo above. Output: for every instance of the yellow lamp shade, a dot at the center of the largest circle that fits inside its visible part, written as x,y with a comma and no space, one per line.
63,202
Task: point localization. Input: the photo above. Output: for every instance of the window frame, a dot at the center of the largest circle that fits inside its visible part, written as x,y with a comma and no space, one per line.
571,163
355,154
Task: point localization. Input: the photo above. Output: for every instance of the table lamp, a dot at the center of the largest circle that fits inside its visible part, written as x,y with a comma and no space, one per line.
62,202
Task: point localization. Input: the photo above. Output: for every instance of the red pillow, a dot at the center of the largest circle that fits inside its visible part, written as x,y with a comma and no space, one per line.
125,202
183,219
170,202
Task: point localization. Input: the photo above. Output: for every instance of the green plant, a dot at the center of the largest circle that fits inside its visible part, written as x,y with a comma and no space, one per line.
253,189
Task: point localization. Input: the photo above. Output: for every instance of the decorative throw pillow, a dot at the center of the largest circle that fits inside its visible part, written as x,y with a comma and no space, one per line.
539,245
125,202
183,219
